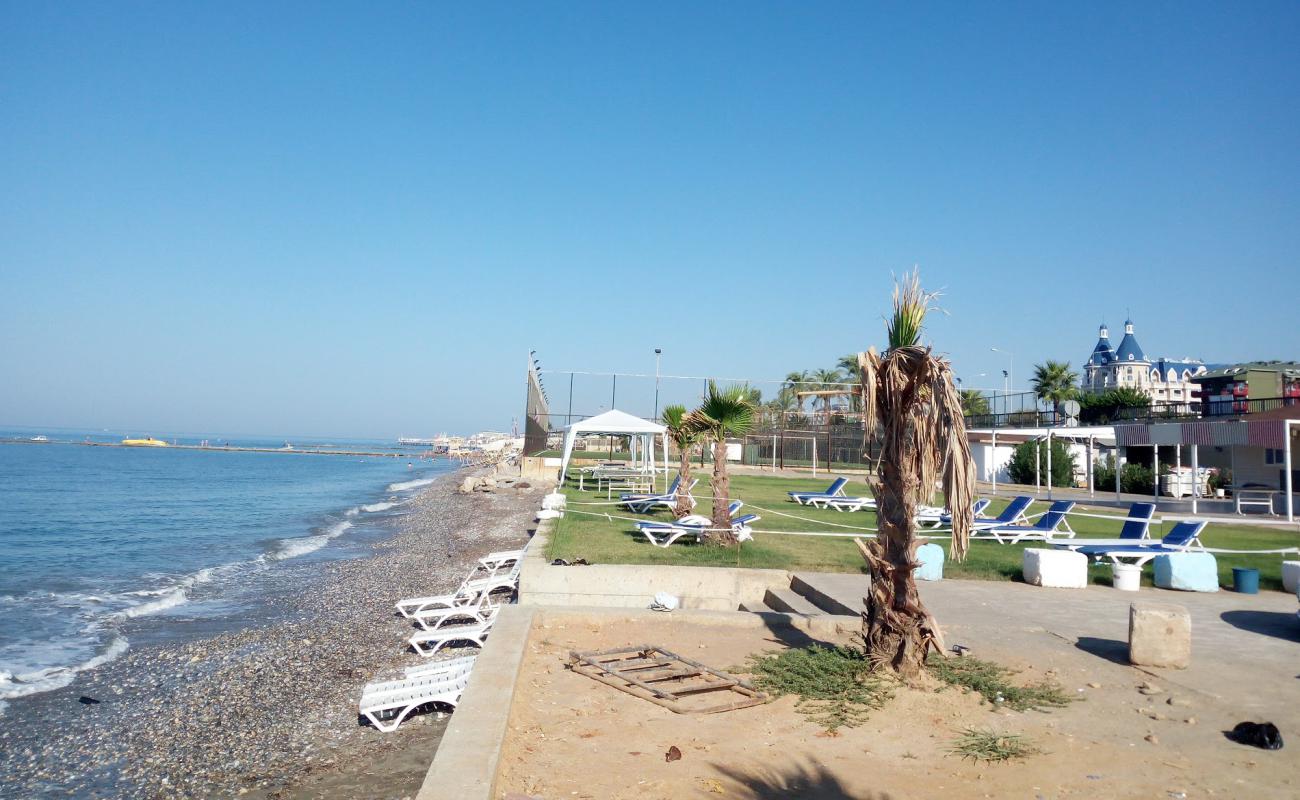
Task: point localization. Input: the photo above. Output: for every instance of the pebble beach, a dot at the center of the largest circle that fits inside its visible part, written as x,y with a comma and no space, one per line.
268,709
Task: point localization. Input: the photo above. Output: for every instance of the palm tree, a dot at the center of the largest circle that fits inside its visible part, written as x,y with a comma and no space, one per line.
676,419
828,380
1055,382
974,403
849,366
723,413
800,381
910,394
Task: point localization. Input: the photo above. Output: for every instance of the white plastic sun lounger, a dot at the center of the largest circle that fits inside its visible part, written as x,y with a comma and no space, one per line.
842,503
441,665
482,611
492,563
388,703
428,643
468,594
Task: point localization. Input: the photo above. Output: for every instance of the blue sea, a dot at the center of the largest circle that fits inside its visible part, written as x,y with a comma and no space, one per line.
96,540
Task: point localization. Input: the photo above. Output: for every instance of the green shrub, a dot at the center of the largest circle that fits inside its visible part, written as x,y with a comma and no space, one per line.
1021,466
1136,479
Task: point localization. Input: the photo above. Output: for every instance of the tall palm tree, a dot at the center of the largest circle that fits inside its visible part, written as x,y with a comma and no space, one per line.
799,381
910,393
849,366
1055,382
677,420
724,412
974,403
828,380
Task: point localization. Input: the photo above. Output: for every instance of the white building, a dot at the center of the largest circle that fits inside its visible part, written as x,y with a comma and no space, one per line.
1166,381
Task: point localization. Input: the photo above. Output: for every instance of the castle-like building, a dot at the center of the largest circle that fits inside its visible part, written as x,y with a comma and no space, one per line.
1166,381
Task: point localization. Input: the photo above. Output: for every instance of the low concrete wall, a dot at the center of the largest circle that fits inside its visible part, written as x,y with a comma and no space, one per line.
465,765
635,585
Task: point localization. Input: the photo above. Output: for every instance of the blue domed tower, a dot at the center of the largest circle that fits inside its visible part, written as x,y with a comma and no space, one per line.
1096,370
1130,352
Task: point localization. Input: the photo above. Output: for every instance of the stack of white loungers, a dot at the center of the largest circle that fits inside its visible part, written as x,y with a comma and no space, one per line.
466,616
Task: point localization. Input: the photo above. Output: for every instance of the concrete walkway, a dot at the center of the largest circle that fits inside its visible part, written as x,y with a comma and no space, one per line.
1245,648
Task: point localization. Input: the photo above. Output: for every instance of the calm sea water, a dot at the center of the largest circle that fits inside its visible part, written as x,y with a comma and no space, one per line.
94,539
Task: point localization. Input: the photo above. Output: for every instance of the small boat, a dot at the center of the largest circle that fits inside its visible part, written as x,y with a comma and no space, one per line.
40,438
147,441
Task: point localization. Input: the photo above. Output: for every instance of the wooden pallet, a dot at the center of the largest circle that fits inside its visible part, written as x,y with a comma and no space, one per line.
665,678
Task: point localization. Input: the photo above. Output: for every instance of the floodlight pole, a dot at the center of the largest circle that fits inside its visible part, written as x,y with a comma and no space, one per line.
658,353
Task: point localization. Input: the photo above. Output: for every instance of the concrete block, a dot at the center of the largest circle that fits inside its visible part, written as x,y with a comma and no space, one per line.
1291,576
1187,572
931,558
554,502
1060,569
1159,635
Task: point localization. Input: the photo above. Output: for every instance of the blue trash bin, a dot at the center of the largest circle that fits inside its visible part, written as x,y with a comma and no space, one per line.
1245,580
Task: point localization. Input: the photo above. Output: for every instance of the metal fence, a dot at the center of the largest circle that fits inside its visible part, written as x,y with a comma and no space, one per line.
805,422
537,413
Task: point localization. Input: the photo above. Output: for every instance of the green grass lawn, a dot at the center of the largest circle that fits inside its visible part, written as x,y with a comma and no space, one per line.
603,540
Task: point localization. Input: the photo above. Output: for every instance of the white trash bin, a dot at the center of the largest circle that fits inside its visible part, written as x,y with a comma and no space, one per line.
1126,577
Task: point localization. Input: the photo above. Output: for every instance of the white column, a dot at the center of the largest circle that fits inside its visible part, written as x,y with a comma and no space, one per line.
1038,460
1049,464
814,441
1119,469
1155,470
774,452
1196,477
1286,466
1090,461
1178,469
993,461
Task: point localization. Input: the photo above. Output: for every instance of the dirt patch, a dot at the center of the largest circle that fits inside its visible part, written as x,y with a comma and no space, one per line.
572,737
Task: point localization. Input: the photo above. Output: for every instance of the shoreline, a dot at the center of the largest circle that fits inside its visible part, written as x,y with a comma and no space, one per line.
270,708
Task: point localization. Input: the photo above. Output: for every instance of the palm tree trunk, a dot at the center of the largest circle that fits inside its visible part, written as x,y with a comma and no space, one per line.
721,520
683,506
896,628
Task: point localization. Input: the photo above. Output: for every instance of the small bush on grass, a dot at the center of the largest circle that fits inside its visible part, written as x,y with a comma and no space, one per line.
835,685
992,681
978,745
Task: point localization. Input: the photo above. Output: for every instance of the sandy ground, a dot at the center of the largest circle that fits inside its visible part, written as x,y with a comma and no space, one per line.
268,710
571,737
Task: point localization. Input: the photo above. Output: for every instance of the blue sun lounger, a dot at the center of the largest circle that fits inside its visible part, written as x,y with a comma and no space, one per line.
836,489
1042,529
645,503
663,534
977,509
1181,538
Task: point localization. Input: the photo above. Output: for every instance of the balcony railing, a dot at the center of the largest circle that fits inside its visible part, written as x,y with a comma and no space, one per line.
1204,408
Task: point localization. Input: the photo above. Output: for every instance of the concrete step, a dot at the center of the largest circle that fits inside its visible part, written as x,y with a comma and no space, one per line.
788,601
755,606
833,593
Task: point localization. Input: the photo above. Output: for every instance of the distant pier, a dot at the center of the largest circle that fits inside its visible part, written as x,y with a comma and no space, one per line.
314,451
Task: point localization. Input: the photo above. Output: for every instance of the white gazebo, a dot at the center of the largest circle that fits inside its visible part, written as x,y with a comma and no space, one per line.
619,423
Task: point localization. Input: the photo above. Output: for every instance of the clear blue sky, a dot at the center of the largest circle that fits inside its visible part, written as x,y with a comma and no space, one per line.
357,219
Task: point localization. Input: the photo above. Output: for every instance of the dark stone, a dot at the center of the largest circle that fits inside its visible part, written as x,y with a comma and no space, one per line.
87,701
1264,735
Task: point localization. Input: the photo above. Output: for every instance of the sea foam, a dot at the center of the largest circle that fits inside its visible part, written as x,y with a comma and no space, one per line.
51,678
302,545
415,484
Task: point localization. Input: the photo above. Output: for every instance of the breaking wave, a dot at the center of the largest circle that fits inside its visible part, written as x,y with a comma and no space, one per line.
415,484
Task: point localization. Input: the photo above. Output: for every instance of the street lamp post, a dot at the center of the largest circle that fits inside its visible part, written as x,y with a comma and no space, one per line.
658,353
1011,373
